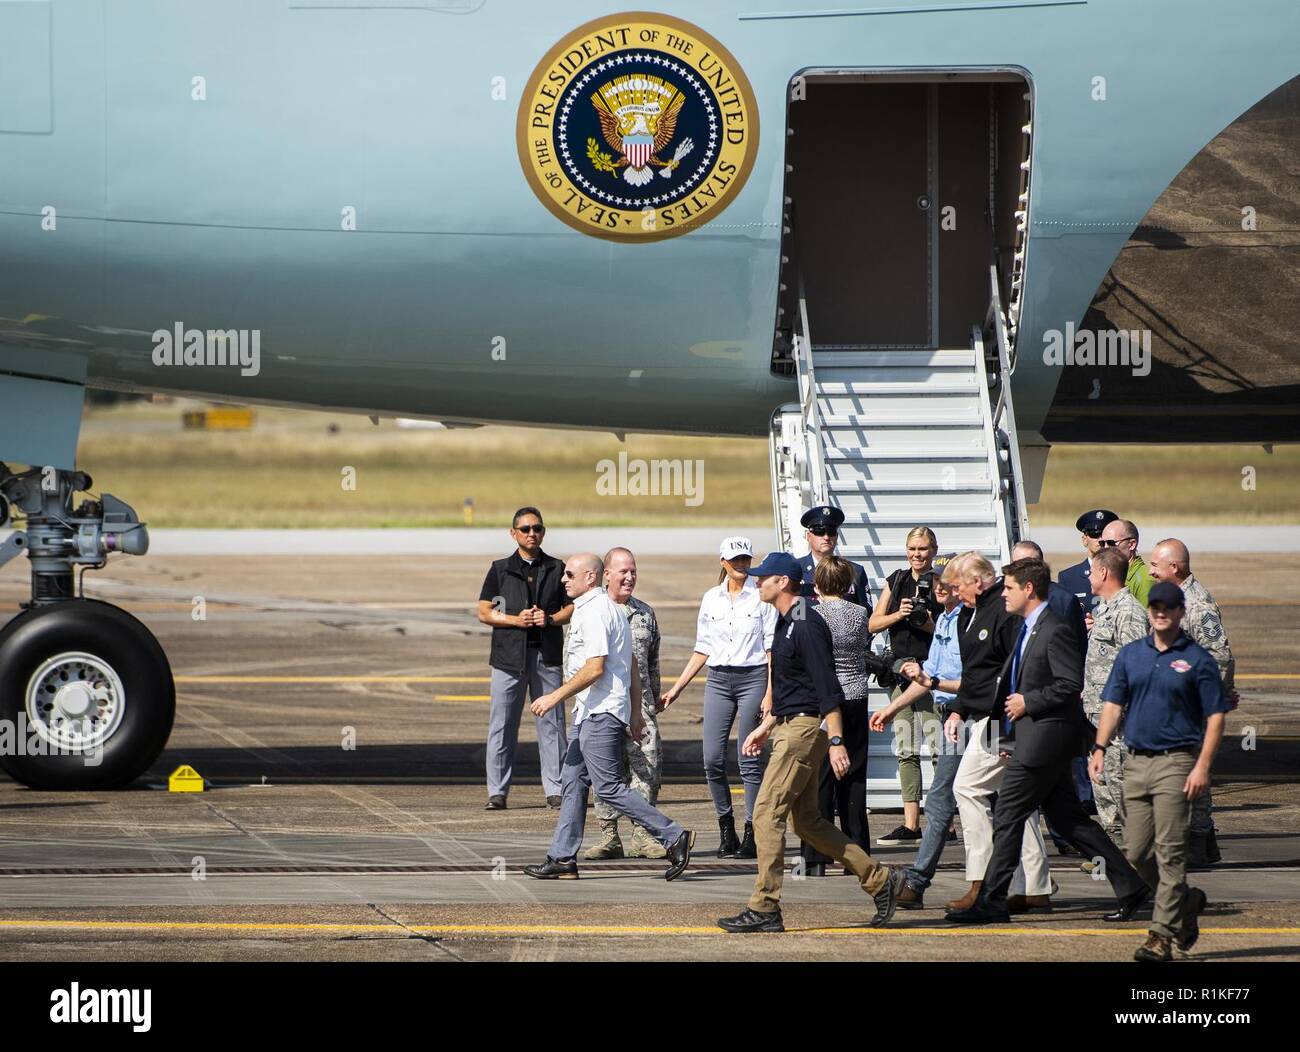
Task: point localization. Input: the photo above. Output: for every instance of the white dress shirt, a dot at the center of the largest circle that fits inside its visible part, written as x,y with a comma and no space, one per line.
735,630
599,628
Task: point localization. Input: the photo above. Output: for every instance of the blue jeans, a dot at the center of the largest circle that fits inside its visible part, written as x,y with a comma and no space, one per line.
940,807
595,759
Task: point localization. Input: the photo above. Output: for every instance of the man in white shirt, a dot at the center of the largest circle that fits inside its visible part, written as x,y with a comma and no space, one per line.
602,679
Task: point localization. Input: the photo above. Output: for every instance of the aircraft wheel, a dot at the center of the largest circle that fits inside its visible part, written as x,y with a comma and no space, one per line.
86,696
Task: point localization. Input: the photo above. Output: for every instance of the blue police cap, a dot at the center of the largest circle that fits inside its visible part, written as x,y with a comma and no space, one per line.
1166,592
822,517
779,564
1093,522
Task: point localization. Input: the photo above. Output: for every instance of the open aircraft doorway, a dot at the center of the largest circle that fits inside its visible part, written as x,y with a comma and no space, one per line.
902,187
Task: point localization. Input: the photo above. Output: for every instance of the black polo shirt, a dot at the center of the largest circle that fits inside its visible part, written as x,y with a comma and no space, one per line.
803,665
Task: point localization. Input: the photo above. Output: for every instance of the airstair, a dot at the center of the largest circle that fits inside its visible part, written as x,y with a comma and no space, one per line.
898,438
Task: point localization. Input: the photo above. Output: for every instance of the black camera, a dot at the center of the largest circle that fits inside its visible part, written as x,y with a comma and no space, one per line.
922,599
885,668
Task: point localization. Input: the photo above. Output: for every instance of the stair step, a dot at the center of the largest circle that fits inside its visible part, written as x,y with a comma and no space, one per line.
965,419
865,486
841,356
881,453
860,553
974,517
944,385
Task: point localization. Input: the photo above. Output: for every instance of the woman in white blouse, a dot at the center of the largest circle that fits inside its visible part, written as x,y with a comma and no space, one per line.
734,638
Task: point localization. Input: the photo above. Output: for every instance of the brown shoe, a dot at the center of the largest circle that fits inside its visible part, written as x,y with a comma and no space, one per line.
1028,903
967,900
1156,948
909,898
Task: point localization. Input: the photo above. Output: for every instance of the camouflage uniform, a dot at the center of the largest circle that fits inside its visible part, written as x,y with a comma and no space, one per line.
1115,623
1204,625
642,760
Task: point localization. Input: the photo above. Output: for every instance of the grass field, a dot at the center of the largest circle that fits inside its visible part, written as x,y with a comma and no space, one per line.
289,472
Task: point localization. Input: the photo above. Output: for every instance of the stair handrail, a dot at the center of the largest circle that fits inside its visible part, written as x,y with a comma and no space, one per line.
990,443
810,416
1004,416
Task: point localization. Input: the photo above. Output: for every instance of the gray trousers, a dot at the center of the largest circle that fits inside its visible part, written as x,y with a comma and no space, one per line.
508,690
595,758
733,695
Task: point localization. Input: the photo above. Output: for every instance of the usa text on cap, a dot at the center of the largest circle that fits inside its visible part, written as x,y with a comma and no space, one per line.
733,547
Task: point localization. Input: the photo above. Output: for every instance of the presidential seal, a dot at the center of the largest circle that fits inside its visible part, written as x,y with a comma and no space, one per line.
637,127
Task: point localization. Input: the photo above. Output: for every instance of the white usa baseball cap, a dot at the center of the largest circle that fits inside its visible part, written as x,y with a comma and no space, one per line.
735,546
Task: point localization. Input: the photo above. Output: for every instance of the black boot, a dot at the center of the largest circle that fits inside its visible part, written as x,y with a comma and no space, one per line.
1212,854
747,846
728,845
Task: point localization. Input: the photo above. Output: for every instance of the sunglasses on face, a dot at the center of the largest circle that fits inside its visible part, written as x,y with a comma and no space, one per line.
539,528
822,531
1112,544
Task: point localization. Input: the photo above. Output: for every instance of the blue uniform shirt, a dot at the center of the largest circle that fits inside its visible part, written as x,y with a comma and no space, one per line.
944,661
1167,695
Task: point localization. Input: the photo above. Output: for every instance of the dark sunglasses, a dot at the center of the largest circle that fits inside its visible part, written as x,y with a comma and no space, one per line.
823,531
539,528
1111,544
568,574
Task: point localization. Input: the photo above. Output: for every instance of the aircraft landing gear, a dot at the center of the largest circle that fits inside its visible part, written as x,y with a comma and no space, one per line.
86,693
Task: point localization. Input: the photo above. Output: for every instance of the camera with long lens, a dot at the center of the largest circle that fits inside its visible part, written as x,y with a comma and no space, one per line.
885,667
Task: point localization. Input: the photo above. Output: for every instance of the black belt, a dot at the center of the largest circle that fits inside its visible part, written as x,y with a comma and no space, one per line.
1161,752
797,715
734,668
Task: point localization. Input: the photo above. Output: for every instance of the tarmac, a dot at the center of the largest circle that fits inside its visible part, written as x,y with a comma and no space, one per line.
337,708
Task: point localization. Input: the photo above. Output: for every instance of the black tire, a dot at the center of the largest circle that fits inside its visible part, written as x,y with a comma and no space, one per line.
116,638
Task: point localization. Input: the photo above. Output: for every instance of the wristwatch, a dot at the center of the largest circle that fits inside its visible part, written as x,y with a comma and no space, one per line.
548,621
837,740
1096,748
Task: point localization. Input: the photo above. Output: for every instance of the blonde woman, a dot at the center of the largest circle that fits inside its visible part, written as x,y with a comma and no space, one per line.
907,610
734,639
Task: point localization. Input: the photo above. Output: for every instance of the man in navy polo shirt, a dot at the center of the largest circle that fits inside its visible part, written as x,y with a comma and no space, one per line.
1164,687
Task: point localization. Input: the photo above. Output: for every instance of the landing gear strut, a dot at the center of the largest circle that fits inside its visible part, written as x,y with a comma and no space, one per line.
86,693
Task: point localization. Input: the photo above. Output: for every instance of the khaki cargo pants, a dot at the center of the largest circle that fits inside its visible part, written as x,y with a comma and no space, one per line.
790,790
1156,825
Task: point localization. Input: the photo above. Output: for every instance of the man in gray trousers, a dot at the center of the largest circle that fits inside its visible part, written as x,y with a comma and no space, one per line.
523,600
603,681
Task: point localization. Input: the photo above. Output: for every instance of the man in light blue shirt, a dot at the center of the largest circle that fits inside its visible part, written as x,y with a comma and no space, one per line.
940,674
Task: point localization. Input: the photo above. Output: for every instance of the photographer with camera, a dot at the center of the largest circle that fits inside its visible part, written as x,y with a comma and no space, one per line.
907,609
941,676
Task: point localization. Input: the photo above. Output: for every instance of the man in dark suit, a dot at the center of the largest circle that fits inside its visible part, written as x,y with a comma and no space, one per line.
1037,703
1065,605
1074,579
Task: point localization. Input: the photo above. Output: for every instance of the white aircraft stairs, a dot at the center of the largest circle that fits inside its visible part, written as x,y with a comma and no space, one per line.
897,439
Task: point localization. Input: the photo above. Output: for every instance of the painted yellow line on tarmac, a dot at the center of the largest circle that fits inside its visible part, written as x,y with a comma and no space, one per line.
462,697
583,929
1270,675
331,679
